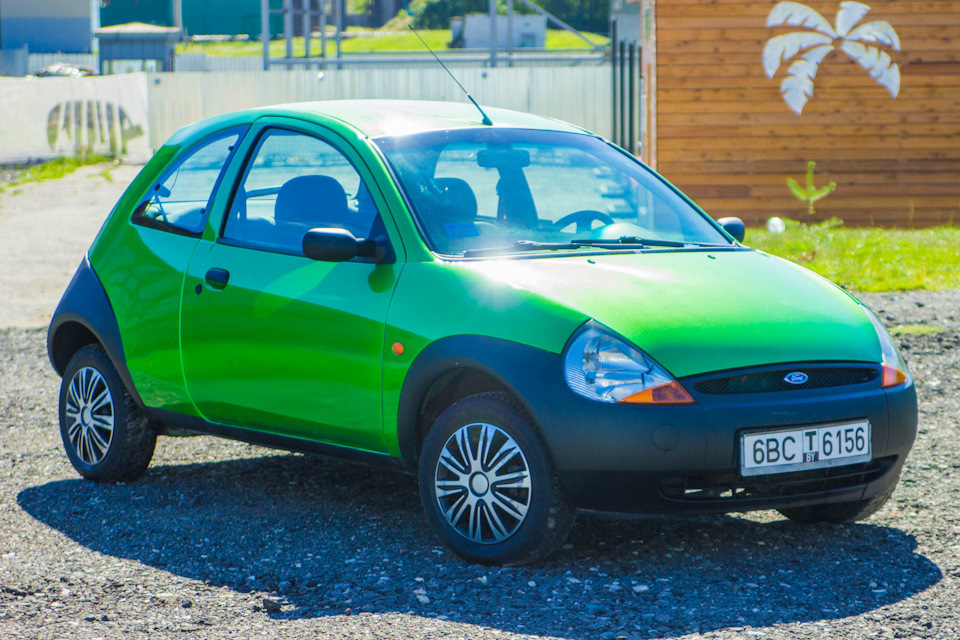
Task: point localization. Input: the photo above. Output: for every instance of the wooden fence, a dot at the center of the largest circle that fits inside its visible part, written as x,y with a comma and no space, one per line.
726,134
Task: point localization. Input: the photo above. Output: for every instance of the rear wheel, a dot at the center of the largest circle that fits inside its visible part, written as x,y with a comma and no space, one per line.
841,512
105,434
488,487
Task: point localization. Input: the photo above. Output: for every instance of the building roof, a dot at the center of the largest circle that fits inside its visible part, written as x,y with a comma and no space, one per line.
138,30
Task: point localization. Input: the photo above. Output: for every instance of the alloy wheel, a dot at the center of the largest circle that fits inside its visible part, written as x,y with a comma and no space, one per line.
483,483
90,415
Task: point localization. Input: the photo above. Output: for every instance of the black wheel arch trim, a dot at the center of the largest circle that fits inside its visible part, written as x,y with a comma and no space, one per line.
519,369
85,303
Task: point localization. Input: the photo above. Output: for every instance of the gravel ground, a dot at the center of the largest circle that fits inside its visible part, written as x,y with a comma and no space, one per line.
226,540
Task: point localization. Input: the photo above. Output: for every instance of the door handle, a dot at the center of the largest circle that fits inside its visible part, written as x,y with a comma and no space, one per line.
217,278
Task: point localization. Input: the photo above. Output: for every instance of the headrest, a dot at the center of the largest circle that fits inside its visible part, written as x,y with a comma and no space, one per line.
460,202
313,201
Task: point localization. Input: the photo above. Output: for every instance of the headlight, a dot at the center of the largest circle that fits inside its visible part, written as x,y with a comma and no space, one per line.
601,365
895,370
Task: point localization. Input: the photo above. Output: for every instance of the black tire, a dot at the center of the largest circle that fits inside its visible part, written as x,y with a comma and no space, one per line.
841,512
498,420
96,452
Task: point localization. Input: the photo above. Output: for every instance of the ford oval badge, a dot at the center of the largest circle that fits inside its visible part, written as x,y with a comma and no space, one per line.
797,377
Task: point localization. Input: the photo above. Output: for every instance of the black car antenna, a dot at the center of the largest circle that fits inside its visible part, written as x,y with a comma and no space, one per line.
486,118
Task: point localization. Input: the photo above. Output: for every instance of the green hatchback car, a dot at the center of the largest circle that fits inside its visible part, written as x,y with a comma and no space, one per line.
520,312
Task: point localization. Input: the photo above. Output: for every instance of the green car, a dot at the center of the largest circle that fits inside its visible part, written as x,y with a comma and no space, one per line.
518,311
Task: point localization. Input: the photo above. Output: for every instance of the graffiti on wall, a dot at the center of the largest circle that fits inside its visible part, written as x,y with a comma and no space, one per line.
864,43
90,126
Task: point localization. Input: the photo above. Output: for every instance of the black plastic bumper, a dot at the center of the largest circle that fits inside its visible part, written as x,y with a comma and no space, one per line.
686,459
681,459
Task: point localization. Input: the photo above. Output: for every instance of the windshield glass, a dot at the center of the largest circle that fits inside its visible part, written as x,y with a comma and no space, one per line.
474,189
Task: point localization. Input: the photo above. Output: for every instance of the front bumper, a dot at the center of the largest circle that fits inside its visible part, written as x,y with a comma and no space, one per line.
686,459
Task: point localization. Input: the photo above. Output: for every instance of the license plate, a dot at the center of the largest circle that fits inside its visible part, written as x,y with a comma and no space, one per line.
804,449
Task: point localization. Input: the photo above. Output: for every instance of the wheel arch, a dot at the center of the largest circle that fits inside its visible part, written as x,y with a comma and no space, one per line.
85,316
69,337
457,367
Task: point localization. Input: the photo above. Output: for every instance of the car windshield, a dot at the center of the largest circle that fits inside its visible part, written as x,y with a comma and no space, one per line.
477,191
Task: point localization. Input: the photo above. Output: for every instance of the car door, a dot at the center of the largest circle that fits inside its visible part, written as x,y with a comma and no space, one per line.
141,265
275,341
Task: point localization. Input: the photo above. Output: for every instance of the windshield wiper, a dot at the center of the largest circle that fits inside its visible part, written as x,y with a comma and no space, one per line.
623,243
523,245
648,242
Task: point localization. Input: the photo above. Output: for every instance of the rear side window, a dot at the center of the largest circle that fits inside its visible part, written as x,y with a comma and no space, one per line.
180,200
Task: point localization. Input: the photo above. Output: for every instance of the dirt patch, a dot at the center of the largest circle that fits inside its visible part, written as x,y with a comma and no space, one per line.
45,229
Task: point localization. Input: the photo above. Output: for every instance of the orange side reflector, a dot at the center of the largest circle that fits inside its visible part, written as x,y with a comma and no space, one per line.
670,393
397,348
892,377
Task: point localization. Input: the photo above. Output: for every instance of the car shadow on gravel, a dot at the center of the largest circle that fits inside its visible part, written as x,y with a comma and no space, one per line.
324,538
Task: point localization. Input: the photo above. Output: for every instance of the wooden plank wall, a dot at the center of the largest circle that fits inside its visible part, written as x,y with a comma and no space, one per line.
727,138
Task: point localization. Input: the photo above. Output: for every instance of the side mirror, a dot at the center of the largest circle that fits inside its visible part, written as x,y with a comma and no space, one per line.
338,245
733,226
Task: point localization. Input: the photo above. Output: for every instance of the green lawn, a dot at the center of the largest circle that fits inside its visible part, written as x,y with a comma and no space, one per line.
869,259
383,41
50,170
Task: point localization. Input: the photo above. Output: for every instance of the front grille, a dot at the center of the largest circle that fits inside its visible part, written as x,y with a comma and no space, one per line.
770,381
731,488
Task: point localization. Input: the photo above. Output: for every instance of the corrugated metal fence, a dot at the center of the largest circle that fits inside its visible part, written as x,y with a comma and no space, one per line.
579,95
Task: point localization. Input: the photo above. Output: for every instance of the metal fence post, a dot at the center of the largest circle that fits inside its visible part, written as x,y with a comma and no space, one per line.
613,80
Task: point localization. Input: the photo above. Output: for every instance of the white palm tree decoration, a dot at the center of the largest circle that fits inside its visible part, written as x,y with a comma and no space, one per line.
813,46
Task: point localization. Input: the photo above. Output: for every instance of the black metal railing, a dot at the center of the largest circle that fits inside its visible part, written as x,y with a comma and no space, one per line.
626,58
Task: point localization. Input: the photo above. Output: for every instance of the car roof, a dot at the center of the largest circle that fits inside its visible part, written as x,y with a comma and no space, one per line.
376,118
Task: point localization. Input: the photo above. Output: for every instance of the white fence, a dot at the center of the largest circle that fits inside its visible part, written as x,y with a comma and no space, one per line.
48,121
579,95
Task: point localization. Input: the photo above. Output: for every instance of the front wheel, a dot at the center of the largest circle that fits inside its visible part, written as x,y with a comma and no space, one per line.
105,434
488,488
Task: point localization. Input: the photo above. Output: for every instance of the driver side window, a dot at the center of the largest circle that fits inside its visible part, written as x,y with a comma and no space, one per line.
294,183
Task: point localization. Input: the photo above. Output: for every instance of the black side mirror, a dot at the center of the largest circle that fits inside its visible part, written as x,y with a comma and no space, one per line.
733,226
338,245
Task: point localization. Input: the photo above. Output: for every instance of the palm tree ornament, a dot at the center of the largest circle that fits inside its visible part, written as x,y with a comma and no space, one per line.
860,43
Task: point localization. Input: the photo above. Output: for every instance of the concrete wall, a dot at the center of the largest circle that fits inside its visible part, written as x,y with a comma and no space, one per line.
67,116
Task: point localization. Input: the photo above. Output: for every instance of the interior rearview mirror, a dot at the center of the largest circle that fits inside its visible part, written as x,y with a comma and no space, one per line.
503,158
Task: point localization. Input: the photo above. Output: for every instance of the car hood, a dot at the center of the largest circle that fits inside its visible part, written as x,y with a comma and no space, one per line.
697,312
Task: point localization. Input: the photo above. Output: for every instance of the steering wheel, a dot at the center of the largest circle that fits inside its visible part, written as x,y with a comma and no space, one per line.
583,218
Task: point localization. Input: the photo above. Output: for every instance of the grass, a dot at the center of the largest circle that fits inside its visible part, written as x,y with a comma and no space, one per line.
383,41
107,173
915,329
50,170
869,259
